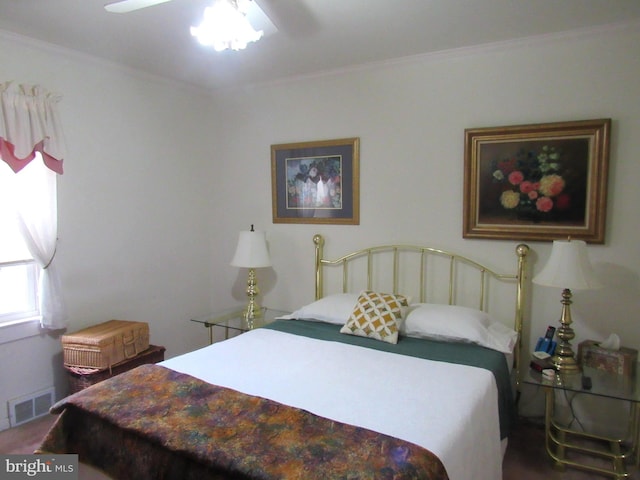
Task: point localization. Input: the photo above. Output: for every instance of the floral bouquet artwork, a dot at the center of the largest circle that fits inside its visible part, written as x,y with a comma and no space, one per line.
537,182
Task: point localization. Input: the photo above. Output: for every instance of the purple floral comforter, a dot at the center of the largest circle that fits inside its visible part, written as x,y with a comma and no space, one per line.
155,423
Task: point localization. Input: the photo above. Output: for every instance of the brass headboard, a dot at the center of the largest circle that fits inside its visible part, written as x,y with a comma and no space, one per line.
456,273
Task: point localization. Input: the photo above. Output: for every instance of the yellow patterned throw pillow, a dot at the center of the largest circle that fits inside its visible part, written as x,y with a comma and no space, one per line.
376,315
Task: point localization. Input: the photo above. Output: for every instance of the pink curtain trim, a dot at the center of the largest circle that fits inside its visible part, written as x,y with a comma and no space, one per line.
7,150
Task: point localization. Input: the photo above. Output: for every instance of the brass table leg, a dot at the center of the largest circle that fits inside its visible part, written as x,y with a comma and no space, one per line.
558,443
210,327
635,434
558,455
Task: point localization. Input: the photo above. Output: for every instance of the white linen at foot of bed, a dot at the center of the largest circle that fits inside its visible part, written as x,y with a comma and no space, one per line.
452,410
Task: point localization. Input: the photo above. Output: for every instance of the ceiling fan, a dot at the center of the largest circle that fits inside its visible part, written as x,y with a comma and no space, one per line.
293,18
125,6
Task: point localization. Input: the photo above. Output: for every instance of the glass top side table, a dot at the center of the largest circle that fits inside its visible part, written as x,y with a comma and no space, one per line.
559,440
233,319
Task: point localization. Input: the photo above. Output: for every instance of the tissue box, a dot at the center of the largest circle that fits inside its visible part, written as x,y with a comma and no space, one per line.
619,362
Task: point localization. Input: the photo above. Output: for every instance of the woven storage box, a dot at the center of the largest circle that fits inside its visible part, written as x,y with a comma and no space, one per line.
80,378
103,345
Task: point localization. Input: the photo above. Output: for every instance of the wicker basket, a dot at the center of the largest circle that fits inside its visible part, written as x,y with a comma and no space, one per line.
80,378
101,346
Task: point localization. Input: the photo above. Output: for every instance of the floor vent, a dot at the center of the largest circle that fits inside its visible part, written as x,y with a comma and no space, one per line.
29,407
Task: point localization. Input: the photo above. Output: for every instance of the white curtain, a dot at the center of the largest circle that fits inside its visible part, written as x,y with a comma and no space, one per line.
29,123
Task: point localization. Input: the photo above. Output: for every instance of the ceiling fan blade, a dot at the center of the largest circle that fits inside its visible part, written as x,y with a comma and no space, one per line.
290,16
125,6
259,20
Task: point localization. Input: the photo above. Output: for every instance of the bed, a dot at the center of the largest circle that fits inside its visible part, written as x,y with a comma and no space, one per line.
399,368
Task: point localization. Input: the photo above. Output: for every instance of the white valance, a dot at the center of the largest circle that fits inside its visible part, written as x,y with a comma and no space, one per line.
29,123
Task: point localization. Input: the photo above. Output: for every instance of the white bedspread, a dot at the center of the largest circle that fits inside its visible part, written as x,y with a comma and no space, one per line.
449,409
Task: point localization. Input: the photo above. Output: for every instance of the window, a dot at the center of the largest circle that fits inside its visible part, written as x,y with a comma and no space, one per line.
18,270
30,124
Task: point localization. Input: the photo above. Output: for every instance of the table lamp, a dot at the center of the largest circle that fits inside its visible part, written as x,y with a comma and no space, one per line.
252,253
568,268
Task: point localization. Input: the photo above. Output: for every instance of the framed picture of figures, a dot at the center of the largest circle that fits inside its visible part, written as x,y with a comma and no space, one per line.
316,182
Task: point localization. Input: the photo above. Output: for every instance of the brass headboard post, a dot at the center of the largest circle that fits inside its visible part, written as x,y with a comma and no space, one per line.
522,250
318,240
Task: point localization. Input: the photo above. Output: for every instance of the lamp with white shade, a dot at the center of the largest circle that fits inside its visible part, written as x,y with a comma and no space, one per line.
568,268
252,252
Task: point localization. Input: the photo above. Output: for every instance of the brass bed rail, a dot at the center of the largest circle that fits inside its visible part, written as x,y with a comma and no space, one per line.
454,261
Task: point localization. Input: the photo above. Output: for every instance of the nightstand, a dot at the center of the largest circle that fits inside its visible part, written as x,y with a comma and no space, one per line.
561,440
232,319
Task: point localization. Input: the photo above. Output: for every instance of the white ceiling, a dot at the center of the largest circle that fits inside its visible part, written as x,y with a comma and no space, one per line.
314,35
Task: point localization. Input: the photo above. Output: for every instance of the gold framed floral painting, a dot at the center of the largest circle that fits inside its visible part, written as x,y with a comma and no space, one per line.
537,182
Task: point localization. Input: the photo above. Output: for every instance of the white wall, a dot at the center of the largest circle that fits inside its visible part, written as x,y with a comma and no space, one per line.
149,215
133,207
410,117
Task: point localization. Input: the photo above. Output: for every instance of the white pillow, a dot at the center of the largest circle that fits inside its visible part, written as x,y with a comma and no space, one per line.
334,308
454,323
502,338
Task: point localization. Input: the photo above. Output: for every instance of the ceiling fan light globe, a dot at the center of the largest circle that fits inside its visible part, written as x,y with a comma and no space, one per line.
225,27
